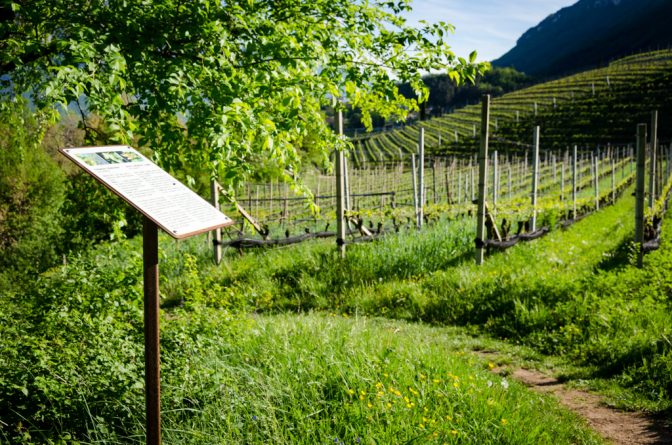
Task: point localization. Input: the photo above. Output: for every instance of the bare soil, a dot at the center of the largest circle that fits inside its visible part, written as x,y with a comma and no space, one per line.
616,426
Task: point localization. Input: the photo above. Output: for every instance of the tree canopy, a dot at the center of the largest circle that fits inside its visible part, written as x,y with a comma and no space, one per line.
219,86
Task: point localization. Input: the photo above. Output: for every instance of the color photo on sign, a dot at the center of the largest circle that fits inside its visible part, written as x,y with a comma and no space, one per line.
152,191
109,157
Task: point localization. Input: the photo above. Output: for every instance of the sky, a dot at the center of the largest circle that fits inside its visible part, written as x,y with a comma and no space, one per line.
491,27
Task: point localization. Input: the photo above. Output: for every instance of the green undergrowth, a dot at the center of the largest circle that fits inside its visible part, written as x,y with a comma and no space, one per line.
71,356
574,293
300,379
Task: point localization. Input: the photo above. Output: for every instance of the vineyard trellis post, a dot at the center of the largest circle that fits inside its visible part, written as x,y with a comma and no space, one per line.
562,182
555,170
340,190
346,186
613,180
482,179
414,180
471,178
596,178
509,185
495,178
436,200
668,166
653,146
217,233
639,193
535,175
459,184
285,206
574,172
421,177
317,190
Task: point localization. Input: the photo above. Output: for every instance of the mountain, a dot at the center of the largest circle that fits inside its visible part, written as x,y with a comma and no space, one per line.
590,33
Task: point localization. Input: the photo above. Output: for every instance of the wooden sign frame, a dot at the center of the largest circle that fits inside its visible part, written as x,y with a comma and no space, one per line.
152,191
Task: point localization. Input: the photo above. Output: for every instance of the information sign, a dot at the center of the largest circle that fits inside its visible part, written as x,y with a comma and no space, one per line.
165,203
152,191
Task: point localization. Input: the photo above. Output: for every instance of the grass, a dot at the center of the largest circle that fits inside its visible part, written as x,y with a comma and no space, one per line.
272,376
232,378
324,379
573,294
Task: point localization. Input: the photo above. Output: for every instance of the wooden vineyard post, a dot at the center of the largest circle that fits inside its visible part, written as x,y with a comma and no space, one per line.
459,185
535,176
256,200
446,172
414,179
562,182
285,206
421,177
509,186
639,193
471,176
434,181
340,191
482,179
574,168
217,233
596,180
668,166
495,179
653,147
613,180
346,184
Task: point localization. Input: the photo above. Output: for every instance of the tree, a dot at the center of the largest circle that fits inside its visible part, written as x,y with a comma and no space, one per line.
31,194
445,94
221,86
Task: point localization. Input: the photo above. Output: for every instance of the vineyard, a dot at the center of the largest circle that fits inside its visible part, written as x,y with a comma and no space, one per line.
590,116
393,334
601,106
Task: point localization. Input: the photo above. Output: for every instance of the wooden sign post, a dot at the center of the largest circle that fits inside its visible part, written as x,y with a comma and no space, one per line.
165,203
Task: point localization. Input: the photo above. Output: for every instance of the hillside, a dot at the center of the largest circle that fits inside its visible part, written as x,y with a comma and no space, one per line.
590,33
594,107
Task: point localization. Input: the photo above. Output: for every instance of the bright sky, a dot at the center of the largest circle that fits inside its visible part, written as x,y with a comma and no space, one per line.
490,27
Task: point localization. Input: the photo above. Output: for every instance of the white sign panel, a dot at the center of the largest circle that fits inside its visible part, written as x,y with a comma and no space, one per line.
170,204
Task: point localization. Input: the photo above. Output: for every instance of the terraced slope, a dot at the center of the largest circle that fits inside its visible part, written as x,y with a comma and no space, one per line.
600,106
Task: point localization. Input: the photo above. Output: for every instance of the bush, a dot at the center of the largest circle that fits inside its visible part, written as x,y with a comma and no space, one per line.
31,194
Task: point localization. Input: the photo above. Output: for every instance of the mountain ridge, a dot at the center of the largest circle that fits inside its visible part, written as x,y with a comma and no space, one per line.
590,33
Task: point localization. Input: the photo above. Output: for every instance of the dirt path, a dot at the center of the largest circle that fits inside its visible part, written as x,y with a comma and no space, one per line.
619,427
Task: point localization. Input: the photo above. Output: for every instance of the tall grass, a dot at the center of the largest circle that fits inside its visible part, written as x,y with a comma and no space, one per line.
319,379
